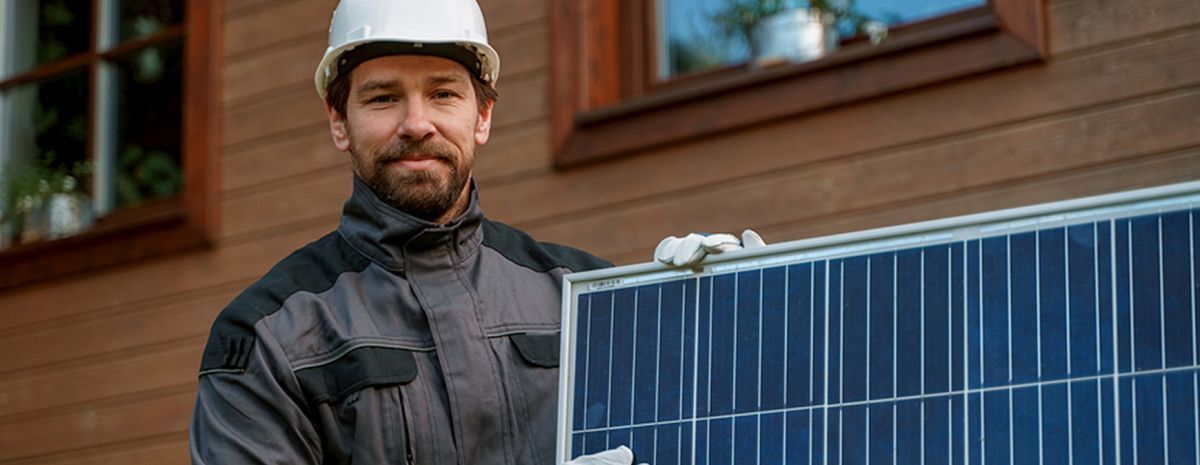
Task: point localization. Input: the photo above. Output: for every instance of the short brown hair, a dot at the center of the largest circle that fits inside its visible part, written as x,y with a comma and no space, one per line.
338,92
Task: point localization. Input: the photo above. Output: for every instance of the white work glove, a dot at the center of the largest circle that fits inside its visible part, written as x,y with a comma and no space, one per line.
619,456
692,249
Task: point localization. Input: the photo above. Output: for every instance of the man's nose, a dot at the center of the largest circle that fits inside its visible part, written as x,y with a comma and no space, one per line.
416,124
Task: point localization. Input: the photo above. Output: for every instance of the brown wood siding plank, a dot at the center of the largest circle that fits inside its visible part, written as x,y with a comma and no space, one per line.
81,338
90,427
1038,148
1078,24
165,450
277,24
504,14
139,373
260,73
117,287
282,159
942,111
514,150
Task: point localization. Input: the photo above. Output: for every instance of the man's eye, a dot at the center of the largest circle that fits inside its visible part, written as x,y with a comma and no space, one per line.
383,99
443,94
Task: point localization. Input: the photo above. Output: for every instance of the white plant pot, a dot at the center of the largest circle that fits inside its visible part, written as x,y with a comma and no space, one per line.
796,35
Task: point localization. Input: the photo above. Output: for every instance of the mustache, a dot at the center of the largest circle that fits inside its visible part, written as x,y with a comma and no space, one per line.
407,150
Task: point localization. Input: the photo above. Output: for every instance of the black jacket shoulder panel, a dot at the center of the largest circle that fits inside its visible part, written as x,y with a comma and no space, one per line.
314,268
523,250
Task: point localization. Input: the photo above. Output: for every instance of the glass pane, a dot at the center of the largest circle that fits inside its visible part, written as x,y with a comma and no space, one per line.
38,32
696,35
149,124
142,18
46,171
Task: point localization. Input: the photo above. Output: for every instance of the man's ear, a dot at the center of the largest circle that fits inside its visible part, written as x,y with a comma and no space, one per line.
337,128
483,127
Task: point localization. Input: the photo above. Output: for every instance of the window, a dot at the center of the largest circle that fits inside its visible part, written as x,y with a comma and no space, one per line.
106,126
629,75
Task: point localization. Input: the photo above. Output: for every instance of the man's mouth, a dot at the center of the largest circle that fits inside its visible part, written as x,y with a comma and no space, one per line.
417,162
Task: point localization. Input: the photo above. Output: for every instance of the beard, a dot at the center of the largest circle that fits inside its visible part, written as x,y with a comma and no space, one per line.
425,194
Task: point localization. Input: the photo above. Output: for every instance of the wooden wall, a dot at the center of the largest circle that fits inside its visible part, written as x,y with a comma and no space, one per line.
100,368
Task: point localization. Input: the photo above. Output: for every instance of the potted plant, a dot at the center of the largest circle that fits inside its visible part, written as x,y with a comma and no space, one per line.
40,201
793,30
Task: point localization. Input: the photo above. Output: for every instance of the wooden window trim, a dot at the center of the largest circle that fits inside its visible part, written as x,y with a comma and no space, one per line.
157,227
598,112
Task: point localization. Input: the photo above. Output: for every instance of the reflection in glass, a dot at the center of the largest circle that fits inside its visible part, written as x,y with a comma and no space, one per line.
143,18
39,32
46,169
149,124
695,35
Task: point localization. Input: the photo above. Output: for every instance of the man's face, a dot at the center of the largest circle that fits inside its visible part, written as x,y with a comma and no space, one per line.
411,126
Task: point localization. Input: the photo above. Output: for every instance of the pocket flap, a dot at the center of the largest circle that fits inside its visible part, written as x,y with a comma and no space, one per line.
357,369
538,349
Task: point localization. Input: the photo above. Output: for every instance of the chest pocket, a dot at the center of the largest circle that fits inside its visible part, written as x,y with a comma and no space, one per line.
361,406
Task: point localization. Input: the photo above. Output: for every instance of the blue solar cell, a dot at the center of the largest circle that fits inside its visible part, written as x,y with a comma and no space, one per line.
582,315
598,364
935,319
1181,416
1081,298
621,392
1052,303
1193,252
720,441
774,326
721,354
667,444
833,435
1074,343
833,389
908,324
855,326
1055,430
881,437
670,352
854,434
704,342
881,350
1126,441
1024,291
1124,298
1176,290
799,342
997,428
746,348
1147,310
646,353
643,443
797,443
745,440
1148,418
1026,426
936,448
1104,285
1085,421
907,433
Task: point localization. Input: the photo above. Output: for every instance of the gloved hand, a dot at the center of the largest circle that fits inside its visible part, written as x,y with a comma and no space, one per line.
692,249
619,456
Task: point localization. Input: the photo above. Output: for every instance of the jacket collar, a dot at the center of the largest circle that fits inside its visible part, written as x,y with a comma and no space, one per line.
387,235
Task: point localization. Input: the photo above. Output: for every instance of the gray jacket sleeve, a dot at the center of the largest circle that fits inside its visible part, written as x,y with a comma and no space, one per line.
253,416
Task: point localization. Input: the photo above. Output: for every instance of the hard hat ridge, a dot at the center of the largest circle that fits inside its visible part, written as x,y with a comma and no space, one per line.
364,29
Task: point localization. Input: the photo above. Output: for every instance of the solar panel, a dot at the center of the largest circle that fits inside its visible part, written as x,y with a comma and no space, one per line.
1061,333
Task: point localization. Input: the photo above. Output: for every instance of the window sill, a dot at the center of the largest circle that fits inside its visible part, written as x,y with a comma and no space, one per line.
137,233
1004,34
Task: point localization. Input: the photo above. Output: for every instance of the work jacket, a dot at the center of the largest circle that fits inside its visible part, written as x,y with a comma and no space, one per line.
391,340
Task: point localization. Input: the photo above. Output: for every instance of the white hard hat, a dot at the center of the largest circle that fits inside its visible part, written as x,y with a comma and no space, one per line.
450,28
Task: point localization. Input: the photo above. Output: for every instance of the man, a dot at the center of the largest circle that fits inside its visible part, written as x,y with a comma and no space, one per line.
419,331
